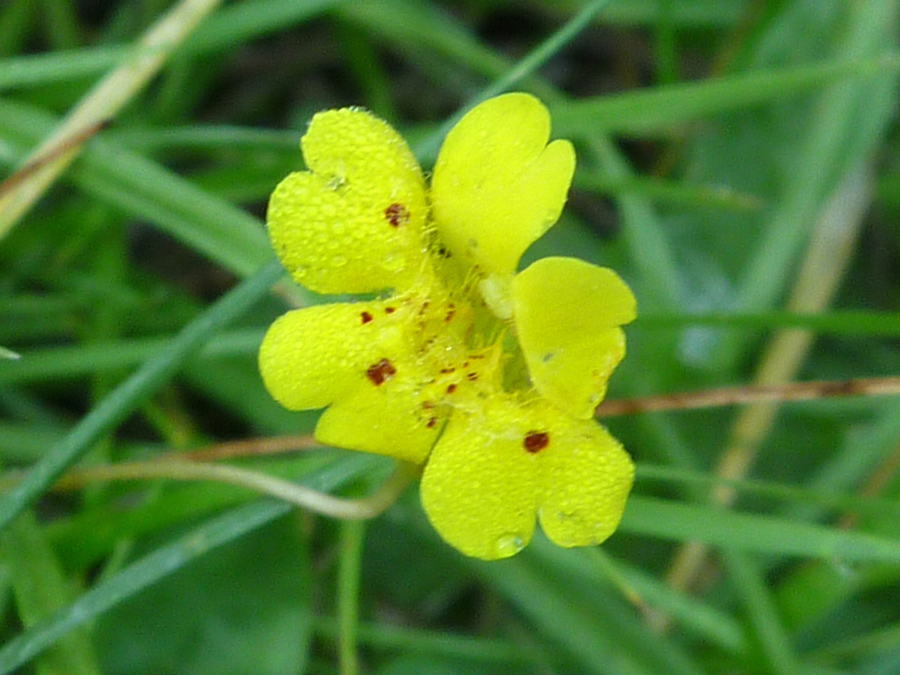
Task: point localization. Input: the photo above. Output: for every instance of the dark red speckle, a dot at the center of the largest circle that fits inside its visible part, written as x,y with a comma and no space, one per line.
451,388
397,215
390,310
381,371
432,423
535,441
366,317
472,376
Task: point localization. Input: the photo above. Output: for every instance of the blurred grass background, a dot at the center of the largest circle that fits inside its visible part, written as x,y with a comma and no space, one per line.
739,165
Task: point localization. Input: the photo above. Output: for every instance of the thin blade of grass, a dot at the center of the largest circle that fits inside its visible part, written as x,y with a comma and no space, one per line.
60,363
41,588
43,69
163,562
517,73
822,158
855,323
764,620
240,22
123,400
771,535
210,225
102,103
663,108
601,632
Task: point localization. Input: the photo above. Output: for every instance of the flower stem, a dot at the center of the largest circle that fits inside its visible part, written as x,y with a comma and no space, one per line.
352,538
745,394
298,495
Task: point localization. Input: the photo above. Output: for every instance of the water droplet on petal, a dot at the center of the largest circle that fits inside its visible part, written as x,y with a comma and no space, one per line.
393,262
510,544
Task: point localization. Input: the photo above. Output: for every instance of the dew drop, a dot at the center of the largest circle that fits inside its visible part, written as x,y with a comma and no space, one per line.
393,262
510,544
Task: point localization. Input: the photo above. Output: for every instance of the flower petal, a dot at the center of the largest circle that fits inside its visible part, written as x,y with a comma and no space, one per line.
584,479
497,185
312,357
387,419
355,223
479,486
567,314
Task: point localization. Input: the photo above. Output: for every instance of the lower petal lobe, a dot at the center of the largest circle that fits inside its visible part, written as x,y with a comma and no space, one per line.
479,486
585,476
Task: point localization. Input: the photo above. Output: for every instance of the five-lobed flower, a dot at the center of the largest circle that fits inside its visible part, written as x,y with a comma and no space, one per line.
428,372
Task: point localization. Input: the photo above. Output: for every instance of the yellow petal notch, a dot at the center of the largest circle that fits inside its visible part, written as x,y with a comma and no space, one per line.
498,186
355,222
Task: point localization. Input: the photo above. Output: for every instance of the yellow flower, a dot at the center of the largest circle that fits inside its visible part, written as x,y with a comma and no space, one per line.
427,372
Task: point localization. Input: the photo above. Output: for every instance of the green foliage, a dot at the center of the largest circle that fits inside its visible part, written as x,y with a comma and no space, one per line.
736,160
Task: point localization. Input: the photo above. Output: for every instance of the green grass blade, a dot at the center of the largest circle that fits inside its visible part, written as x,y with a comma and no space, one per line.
660,278
770,535
415,640
710,13
352,540
586,566
837,322
163,562
821,159
138,575
240,22
15,16
210,225
597,628
518,72
127,396
41,588
764,620
42,69
102,103
663,108
59,363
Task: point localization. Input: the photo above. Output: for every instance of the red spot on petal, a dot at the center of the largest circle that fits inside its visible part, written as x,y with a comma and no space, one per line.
432,423
535,441
366,317
397,215
390,310
472,376
381,371
451,388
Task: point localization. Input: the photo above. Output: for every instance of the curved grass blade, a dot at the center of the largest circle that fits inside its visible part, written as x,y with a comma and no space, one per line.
164,561
103,102
128,395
